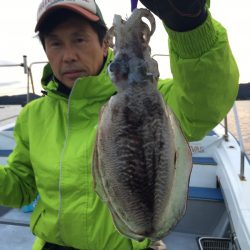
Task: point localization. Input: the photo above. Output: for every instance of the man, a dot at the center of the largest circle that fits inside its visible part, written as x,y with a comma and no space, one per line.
55,134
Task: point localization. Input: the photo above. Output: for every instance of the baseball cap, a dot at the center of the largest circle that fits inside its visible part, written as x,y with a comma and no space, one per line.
87,8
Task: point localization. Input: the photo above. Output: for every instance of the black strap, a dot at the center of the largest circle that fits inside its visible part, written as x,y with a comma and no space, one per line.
51,246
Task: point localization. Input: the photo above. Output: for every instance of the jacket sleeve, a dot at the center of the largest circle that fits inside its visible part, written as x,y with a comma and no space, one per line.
205,78
17,183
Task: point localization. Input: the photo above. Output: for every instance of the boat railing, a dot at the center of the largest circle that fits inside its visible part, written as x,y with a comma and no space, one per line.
154,55
242,148
23,64
243,154
30,79
27,71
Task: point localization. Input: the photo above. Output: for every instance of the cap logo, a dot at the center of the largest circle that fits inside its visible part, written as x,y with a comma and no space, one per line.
46,4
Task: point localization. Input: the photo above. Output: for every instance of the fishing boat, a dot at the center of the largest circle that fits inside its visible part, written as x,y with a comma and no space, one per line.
218,207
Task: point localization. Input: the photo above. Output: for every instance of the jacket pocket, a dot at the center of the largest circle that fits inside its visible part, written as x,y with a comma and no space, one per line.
36,215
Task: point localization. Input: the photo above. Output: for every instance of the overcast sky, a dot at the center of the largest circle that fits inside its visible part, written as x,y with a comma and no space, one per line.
18,18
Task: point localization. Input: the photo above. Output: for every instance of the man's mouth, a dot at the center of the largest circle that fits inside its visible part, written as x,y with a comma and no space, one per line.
73,74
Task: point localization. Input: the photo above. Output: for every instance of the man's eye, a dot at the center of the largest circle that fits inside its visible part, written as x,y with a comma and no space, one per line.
80,40
55,44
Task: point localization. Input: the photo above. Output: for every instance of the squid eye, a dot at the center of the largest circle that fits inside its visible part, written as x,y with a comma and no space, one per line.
113,67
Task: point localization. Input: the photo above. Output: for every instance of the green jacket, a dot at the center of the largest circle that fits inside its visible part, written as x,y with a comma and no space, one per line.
55,137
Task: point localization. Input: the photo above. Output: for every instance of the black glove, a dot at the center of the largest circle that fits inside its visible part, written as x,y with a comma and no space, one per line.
179,15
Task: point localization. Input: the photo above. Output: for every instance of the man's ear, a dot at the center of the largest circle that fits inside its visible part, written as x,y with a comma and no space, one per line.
105,46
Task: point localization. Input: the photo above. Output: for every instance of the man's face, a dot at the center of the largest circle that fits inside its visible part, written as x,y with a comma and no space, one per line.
74,50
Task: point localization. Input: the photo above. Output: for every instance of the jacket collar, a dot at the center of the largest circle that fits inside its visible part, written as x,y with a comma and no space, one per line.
98,87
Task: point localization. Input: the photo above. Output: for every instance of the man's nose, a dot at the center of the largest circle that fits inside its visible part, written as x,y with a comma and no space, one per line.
69,54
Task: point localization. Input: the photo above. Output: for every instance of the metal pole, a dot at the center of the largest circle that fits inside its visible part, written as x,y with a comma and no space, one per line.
11,65
31,80
25,65
26,71
31,75
242,150
160,55
226,129
242,166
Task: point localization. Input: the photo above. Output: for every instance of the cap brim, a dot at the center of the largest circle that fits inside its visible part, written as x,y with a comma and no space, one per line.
85,13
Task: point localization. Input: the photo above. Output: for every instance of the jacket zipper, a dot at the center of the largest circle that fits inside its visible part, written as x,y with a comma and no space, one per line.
61,162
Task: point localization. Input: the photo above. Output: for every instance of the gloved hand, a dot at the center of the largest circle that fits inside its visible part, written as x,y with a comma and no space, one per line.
158,245
179,15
